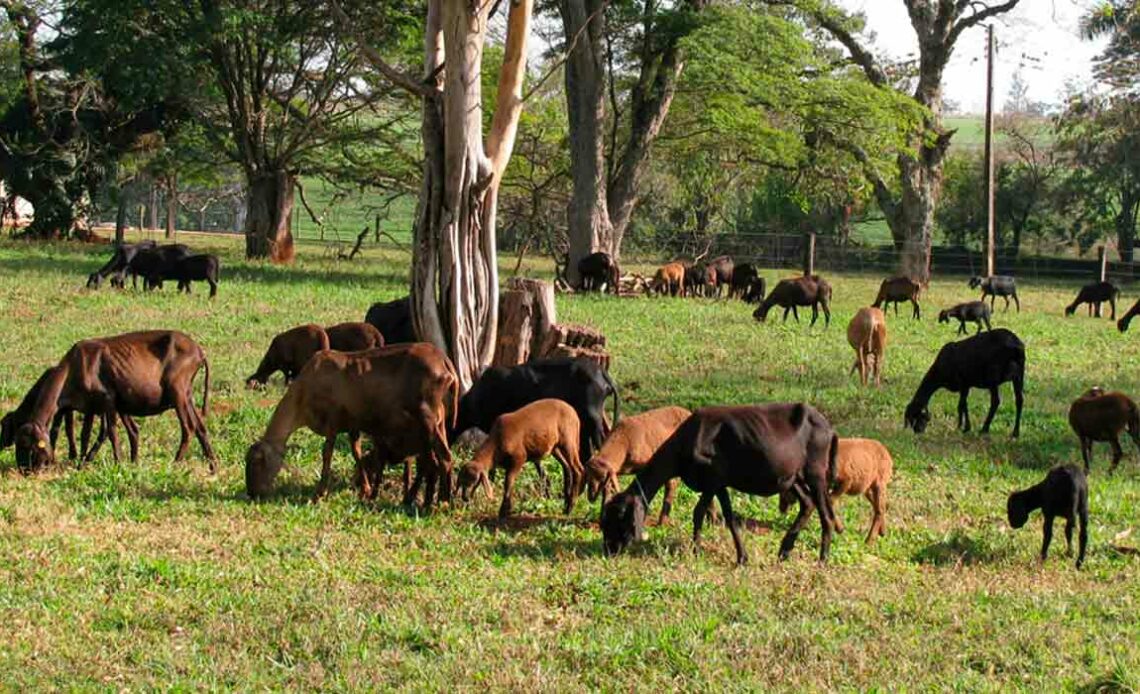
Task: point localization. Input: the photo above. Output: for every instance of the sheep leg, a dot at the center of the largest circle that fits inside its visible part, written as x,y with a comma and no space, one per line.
85,453
1112,305
181,409
1083,536
412,486
834,497
1006,297
667,504
1117,453
806,507
573,474
508,485
69,429
326,468
733,526
995,400
113,433
963,411
1086,451
814,314
961,326
1048,537
796,314
1016,301
568,482
132,429
1018,401
199,428
917,309
986,320
786,309
1069,533
699,512
543,478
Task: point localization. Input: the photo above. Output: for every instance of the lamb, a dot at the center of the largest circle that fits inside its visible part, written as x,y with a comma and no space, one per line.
995,286
353,337
867,335
976,311
195,268
863,467
289,352
544,427
985,361
402,396
811,291
1064,492
137,374
669,278
1122,324
628,449
117,265
1094,295
1101,416
898,289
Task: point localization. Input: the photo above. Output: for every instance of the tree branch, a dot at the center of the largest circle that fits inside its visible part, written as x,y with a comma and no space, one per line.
374,58
982,12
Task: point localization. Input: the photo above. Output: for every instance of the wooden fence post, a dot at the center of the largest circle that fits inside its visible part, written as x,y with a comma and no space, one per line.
809,256
1103,263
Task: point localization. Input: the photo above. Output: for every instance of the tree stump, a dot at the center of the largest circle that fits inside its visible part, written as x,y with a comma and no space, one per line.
527,329
516,311
542,307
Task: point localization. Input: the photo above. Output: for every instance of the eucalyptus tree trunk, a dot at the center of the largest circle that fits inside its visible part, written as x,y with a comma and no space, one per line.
269,206
455,282
171,204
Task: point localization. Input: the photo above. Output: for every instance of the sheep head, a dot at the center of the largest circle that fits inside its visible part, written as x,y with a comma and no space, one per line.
1016,511
263,463
33,448
916,417
622,522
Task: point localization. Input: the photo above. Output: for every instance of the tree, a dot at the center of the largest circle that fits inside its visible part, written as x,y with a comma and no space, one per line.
455,283
1119,64
611,47
1100,136
909,205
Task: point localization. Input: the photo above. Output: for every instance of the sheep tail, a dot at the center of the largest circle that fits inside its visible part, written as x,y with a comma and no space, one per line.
206,388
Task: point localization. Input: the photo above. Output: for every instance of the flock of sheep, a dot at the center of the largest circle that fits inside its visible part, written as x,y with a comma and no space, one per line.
405,397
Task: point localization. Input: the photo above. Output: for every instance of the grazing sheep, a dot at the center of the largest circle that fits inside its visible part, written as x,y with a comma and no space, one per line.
116,267
761,450
542,428
289,352
137,374
896,290
975,311
995,286
195,268
669,278
1101,416
1122,324
985,361
718,274
1094,295
393,319
696,280
863,468
747,284
399,395
628,449
1064,492
867,335
597,270
811,291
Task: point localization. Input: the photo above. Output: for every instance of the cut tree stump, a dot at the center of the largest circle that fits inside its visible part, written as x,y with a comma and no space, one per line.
527,328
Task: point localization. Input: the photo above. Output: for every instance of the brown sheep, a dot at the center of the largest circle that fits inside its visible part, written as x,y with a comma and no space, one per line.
1101,416
135,375
399,395
629,447
289,352
898,289
353,337
669,278
811,291
863,468
867,335
542,428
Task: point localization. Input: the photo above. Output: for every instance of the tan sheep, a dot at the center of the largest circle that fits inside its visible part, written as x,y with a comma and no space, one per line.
542,428
863,467
867,335
1101,416
629,447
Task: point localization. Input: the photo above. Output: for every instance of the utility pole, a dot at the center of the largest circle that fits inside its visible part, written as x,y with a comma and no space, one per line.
990,151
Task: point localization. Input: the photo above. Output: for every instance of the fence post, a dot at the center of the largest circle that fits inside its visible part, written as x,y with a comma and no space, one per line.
1103,263
809,256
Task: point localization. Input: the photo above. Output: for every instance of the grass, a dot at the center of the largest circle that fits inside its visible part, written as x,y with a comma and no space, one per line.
160,576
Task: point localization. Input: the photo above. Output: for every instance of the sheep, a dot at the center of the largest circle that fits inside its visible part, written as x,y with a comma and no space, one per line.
747,284
627,450
195,268
719,273
867,335
137,374
995,286
897,289
1101,416
544,427
1064,492
1122,324
400,395
985,361
393,319
353,337
117,265
976,311
669,278
811,291
863,467
1094,295
289,352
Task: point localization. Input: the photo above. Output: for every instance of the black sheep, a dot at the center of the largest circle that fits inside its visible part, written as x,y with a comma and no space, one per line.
1064,492
998,285
985,361
1094,295
976,311
201,268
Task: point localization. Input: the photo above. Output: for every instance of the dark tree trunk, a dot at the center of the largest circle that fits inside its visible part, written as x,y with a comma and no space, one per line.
121,218
269,206
171,204
1126,230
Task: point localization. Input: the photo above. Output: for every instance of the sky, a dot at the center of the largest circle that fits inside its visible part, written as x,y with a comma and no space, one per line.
1043,31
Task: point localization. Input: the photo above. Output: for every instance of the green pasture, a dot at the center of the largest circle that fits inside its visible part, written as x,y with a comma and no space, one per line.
157,576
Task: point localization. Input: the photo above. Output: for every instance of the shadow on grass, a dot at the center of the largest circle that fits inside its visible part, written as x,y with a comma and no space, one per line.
959,549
